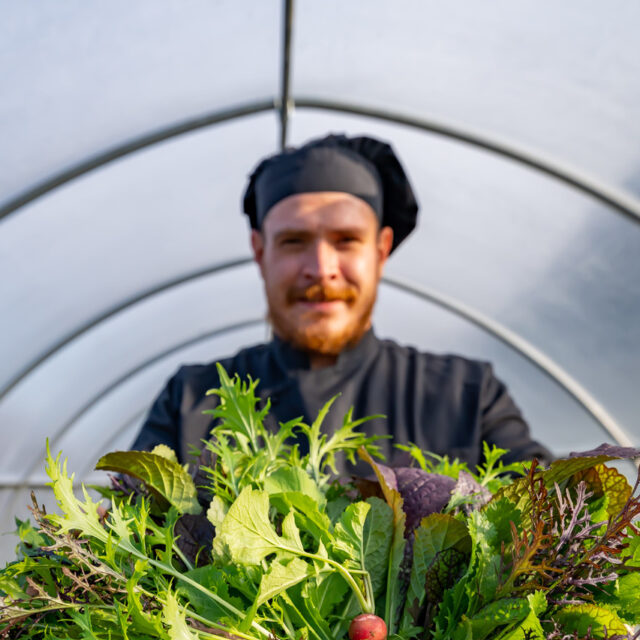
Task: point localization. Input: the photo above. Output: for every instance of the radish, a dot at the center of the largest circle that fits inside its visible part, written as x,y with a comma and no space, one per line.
367,626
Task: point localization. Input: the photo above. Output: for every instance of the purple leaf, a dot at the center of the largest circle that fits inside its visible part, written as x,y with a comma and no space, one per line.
609,450
422,493
194,533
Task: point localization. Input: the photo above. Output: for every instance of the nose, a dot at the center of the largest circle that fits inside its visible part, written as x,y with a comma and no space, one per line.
321,262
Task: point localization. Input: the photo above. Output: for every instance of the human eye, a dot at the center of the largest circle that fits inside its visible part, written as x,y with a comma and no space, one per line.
348,240
290,241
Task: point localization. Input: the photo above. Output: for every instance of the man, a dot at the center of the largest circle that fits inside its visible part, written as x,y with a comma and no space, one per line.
324,219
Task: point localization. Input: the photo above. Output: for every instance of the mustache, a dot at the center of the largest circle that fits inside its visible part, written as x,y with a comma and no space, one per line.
322,293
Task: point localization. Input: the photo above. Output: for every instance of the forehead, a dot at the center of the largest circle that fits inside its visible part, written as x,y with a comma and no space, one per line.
325,210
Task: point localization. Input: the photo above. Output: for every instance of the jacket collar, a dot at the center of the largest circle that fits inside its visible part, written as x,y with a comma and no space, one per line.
292,359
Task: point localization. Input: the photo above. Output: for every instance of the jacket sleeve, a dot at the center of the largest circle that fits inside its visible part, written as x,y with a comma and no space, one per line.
503,424
162,425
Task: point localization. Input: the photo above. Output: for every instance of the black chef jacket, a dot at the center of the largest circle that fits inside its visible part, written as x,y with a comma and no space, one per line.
443,403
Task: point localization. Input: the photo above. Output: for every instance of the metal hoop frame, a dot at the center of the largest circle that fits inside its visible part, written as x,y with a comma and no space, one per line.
284,104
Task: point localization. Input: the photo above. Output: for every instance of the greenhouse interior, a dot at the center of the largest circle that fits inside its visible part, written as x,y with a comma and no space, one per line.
129,131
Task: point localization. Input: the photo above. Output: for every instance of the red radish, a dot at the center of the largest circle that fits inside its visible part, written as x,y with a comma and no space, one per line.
367,626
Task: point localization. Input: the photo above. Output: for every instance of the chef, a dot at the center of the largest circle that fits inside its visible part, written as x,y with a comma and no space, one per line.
324,219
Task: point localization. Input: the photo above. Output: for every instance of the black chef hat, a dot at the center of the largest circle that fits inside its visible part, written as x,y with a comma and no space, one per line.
364,167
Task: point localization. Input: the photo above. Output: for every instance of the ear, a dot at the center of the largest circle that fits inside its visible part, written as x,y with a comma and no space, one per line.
257,246
385,242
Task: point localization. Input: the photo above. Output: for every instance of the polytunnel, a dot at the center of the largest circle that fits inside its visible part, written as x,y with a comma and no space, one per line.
128,131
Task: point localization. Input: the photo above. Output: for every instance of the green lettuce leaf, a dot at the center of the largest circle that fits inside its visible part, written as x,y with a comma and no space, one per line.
327,591
166,479
488,560
398,543
308,516
378,535
349,533
248,535
580,618
431,572
530,628
500,515
214,580
217,511
290,479
496,615
280,576
625,598
313,624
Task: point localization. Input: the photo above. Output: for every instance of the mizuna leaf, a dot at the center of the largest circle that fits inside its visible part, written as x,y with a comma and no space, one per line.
166,479
237,410
79,515
289,549
178,629
345,440
147,622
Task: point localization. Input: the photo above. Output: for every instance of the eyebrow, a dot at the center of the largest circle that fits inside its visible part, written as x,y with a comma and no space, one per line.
291,231
300,232
350,230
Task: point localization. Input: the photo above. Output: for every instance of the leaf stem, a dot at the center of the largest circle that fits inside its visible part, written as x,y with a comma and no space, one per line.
340,622
211,594
365,605
215,625
18,613
285,622
182,557
196,585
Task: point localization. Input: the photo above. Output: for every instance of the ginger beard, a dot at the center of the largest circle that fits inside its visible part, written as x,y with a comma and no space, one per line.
317,331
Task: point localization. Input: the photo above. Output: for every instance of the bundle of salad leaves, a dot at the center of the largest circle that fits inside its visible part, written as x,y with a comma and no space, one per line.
267,543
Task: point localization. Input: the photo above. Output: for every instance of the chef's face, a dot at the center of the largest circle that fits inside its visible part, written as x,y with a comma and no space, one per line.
321,257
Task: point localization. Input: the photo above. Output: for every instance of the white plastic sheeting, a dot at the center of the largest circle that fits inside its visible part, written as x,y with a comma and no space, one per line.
113,279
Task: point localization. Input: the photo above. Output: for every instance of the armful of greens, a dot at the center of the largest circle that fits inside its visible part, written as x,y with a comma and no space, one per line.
272,545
